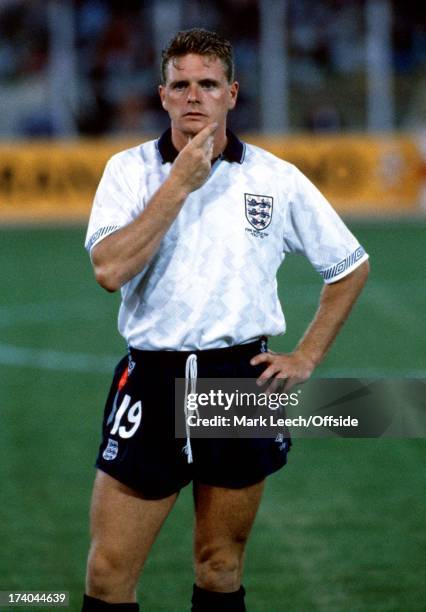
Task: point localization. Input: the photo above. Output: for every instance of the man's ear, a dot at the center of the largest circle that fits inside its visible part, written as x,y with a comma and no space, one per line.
233,93
162,96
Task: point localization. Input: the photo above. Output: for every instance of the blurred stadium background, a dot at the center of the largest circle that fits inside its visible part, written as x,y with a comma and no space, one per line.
338,87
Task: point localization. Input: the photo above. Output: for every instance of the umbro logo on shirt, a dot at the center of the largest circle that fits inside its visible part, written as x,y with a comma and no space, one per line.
258,210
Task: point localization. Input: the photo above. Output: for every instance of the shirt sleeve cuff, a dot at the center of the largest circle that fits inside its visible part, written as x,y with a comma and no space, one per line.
101,233
345,266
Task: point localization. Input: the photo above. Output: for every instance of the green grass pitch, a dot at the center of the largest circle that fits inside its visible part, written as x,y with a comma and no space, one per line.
341,527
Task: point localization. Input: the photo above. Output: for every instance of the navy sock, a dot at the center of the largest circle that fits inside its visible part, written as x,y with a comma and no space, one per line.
210,601
91,604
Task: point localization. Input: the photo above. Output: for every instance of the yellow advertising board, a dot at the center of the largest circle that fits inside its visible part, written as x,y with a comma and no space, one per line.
51,180
358,174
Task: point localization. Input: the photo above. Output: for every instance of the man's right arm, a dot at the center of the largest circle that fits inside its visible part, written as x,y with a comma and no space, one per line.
126,252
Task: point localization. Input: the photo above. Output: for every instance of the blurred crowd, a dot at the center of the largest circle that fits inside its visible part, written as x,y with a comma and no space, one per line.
118,65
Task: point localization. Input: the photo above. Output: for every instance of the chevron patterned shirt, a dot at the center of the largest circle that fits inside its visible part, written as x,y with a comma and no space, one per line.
212,282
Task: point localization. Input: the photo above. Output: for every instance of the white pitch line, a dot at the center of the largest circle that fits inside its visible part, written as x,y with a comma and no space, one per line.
41,312
372,373
381,299
48,359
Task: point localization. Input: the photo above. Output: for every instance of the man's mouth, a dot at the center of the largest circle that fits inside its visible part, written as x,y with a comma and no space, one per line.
194,114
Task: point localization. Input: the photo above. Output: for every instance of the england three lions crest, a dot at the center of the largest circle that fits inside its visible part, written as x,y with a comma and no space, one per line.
258,210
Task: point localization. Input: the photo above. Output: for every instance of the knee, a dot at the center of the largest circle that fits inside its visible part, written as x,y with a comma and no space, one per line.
107,576
218,569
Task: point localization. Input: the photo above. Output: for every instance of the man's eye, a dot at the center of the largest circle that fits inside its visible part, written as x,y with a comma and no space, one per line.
208,85
179,86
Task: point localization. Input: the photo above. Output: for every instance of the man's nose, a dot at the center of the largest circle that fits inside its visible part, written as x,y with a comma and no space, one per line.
193,93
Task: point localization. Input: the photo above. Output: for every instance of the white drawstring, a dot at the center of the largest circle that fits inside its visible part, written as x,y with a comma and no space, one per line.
191,386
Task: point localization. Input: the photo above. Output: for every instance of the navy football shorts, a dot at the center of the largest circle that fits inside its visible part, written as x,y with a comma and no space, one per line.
139,447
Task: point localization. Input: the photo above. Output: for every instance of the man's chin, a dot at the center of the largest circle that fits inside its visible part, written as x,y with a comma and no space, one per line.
193,126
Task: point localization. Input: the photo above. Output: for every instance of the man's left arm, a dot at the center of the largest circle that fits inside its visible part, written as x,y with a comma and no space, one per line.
335,304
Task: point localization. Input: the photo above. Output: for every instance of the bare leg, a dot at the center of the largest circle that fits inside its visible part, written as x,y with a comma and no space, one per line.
224,518
123,528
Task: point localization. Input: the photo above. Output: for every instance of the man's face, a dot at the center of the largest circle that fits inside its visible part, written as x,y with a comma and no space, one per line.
197,93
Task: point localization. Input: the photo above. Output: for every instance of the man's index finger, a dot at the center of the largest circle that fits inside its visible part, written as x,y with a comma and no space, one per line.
204,134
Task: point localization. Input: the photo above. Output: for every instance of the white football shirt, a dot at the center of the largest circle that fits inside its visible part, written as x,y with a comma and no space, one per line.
212,282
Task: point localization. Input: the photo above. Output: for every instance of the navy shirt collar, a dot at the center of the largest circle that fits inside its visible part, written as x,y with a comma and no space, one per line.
234,150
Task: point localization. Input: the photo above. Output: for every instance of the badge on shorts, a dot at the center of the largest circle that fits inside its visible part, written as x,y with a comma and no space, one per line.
258,210
111,450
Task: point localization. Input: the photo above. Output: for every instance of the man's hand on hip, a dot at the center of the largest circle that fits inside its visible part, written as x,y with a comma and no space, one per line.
283,370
